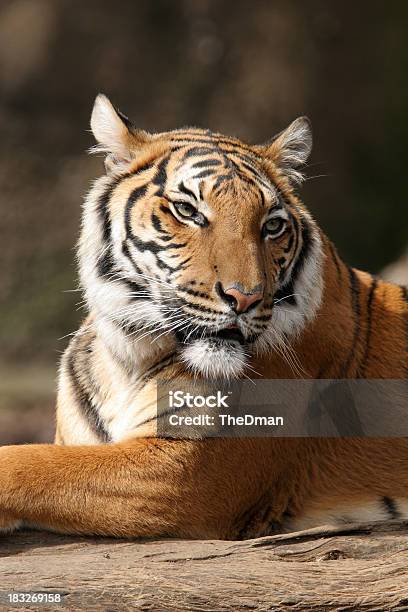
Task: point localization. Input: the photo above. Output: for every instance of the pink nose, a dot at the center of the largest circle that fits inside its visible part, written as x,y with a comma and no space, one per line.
242,300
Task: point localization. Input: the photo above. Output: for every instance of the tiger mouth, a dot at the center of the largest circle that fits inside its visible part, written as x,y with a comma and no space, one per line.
228,334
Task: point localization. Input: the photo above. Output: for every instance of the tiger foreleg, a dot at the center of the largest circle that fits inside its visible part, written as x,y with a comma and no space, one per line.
145,488
107,490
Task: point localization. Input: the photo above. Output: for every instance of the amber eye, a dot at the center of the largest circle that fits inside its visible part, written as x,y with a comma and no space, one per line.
185,209
274,227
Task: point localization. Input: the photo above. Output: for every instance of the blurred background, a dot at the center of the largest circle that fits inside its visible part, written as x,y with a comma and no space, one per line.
244,68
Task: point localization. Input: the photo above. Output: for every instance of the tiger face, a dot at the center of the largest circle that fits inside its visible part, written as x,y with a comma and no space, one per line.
198,237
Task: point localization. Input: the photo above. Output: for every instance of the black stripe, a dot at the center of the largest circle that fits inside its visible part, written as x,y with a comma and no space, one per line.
230,163
147,377
373,287
160,177
157,224
245,155
249,166
296,235
235,170
154,247
204,173
153,371
199,151
200,307
262,317
105,262
199,294
278,205
135,195
126,253
245,179
255,173
181,265
129,329
187,191
131,284
294,243
151,246
391,507
103,210
135,288
236,145
125,119
102,207
204,163
105,268
89,411
214,142
183,301
286,292
166,210
355,305
404,293
221,179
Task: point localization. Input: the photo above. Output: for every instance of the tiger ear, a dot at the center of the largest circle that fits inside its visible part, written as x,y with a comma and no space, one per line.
290,149
115,135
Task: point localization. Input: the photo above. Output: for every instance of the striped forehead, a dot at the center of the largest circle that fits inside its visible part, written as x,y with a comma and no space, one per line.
223,170
193,170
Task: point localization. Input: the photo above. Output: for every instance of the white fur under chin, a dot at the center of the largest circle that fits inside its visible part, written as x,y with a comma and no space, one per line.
215,360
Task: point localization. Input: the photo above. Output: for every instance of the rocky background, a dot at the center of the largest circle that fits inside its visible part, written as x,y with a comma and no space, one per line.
246,68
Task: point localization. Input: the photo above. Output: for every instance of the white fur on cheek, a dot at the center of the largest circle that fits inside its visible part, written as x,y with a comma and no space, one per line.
289,320
225,360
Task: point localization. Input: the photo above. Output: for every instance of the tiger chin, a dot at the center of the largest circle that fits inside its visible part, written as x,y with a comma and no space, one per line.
198,259
216,357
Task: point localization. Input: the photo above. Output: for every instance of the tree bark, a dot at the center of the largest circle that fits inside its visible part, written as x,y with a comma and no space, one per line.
358,567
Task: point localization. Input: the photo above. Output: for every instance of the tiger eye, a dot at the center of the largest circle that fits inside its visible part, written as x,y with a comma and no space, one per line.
185,209
274,226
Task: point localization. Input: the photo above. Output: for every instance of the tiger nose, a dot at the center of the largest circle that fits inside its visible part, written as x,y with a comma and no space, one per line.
239,300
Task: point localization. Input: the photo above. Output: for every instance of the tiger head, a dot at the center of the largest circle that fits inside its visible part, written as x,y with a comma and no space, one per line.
199,238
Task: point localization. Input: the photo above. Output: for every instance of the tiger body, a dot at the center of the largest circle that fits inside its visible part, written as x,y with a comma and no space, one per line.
198,259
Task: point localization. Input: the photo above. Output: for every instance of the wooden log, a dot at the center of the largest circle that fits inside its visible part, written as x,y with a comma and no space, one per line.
355,567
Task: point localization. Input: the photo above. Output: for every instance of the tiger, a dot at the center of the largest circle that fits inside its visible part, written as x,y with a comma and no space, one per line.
197,258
